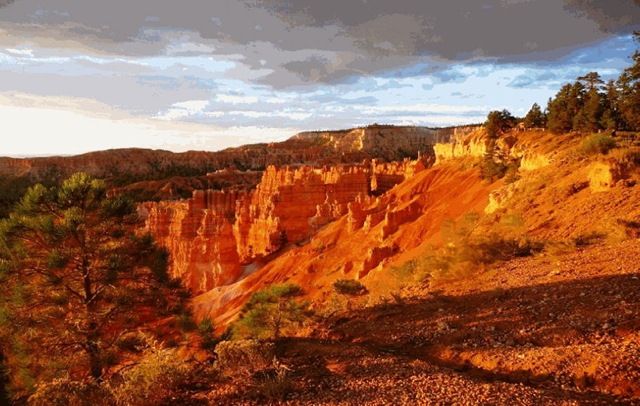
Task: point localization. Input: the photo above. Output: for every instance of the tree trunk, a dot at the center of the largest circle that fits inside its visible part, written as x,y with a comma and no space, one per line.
94,360
4,381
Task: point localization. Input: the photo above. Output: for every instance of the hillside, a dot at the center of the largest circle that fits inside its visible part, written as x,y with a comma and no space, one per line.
486,270
328,147
544,309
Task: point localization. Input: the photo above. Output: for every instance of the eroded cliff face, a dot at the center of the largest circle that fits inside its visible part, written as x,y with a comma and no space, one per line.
290,203
374,232
474,144
216,237
199,236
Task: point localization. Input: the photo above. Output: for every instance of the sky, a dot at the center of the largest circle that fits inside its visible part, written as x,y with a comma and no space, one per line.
86,75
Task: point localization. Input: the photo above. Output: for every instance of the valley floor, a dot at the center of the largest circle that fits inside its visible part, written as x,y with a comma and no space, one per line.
546,330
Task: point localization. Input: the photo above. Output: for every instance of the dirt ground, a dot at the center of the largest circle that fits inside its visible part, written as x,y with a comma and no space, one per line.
559,330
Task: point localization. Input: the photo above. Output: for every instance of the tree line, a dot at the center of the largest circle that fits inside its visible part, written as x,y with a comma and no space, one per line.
588,105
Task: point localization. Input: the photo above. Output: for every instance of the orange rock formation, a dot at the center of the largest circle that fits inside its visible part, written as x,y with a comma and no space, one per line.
215,237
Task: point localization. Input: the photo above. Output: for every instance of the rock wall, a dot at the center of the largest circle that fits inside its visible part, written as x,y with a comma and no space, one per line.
289,203
199,236
473,144
215,236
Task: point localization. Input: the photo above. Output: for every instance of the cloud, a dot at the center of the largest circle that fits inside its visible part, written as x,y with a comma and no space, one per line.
308,41
235,99
184,109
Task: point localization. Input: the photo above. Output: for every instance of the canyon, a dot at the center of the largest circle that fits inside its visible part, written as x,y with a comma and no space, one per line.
401,211
215,237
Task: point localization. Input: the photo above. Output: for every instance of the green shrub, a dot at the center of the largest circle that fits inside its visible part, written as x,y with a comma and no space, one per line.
598,144
491,169
272,311
464,256
349,287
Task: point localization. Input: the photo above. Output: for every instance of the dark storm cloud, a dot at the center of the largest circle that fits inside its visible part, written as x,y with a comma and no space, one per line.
310,41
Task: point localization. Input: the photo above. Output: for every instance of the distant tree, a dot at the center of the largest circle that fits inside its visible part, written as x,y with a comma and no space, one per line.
591,81
535,118
269,311
75,280
498,122
589,116
565,107
611,118
629,87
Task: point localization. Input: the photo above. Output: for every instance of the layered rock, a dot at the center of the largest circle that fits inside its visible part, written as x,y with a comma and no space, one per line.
199,235
474,144
388,142
289,203
215,236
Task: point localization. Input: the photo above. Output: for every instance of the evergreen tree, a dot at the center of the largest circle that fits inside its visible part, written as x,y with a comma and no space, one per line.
76,279
591,81
589,116
568,102
629,86
535,118
269,311
498,122
611,119
559,118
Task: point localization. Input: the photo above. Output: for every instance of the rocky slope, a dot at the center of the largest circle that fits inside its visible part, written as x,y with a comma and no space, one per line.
374,232
560,330
557,327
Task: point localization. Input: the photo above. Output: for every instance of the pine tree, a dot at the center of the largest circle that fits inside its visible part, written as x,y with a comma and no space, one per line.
628,85
269,311
535,118
589,116
591,81
76,279
611,118
499,122
567,104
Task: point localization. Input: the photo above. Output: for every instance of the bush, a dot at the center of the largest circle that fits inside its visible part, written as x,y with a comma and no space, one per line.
274,383
627,157
490,169
272,311
598,144
64,392
206,331
244,357
349,287
464,256
158,378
